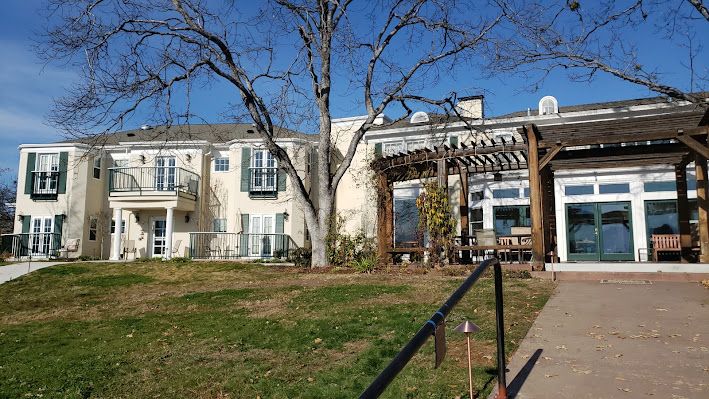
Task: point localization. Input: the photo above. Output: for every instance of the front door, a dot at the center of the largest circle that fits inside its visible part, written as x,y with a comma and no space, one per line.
261,236
600,231
158,244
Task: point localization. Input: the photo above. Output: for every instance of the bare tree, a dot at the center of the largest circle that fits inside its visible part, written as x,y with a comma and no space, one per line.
8,194
283,63
587,38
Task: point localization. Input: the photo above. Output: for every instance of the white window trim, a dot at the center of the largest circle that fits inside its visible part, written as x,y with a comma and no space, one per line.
228,164
266,156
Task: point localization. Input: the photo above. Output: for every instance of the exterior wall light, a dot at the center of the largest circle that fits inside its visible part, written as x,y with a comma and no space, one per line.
285,215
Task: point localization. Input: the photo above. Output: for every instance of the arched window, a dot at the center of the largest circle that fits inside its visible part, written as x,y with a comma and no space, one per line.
419,117
548,105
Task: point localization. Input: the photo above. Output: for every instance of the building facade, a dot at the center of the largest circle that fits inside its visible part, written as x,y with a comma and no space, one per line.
206,191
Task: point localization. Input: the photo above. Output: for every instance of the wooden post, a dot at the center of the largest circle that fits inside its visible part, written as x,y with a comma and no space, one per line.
442,173
385,218
700,166
685,235
464,211
535,199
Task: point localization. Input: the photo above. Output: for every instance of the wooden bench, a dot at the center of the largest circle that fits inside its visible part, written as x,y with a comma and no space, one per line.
665,243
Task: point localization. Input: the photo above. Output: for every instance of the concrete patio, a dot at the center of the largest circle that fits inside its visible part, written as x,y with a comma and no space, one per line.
622,339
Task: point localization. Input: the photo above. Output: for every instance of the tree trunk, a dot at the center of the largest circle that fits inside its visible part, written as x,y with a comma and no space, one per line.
319,249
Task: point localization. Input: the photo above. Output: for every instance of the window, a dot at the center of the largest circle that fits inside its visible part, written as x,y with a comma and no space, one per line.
654,186
476,219
97,167
221,164
93,228
113,226
413,145
219,225
578,190
618,188
393,148
548,105
46,175
406,220
47,163
476,196
120,163
525,192
506,217
505,193
263,171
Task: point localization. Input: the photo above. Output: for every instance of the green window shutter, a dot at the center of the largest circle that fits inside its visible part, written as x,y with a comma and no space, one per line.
378,149
63,167
280,239
454,141
244,241
31,160
280,221
245,165
281,180
58,225
26,223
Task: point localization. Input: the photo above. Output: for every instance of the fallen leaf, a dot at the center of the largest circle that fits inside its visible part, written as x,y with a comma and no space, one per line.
624,389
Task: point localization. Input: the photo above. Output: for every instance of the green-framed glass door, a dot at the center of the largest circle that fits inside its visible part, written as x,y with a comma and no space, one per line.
599,231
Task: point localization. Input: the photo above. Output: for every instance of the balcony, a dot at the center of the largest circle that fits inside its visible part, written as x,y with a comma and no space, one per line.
45,185
212,245
263,182
164,181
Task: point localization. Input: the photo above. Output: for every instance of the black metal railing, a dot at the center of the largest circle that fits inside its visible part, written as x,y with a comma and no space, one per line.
263,182
35,245
214,245
149,180
429,327
45,185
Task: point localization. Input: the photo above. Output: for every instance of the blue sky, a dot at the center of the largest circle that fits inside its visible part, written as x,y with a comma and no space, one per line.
28,87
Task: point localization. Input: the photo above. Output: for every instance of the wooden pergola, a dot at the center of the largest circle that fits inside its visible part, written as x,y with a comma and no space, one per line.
674,139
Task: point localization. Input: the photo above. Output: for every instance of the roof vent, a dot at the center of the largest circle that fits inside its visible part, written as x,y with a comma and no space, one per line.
419,117
145,127
130,134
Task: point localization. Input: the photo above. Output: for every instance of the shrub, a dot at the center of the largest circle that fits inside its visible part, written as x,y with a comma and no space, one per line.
366,262
301,257
181,259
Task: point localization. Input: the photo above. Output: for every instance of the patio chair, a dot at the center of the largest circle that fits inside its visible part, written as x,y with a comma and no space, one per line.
176,247
129,248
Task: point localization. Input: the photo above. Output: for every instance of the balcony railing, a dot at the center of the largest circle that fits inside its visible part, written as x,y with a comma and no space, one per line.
213,245
152,180
35,245
263,182
45,185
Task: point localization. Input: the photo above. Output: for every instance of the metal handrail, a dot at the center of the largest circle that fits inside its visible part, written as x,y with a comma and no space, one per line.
153,178
222,245
383,380
45,183
22,245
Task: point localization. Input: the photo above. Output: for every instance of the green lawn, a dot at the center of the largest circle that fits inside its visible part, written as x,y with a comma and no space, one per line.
218,330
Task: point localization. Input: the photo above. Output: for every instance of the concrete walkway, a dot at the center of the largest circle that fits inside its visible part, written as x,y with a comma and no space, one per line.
10,272
616,340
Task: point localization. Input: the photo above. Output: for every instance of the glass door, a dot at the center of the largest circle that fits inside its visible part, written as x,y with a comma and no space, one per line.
616,231
41,237
165,173
159,243
261,235
582,234
600,231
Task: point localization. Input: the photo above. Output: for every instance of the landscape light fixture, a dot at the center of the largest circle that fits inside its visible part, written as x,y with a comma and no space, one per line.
467,328
497,176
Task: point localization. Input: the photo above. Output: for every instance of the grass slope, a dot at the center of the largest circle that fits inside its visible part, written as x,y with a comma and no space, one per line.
217,330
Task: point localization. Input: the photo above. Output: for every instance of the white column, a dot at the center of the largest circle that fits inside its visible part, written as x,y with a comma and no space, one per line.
118,217
169,222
